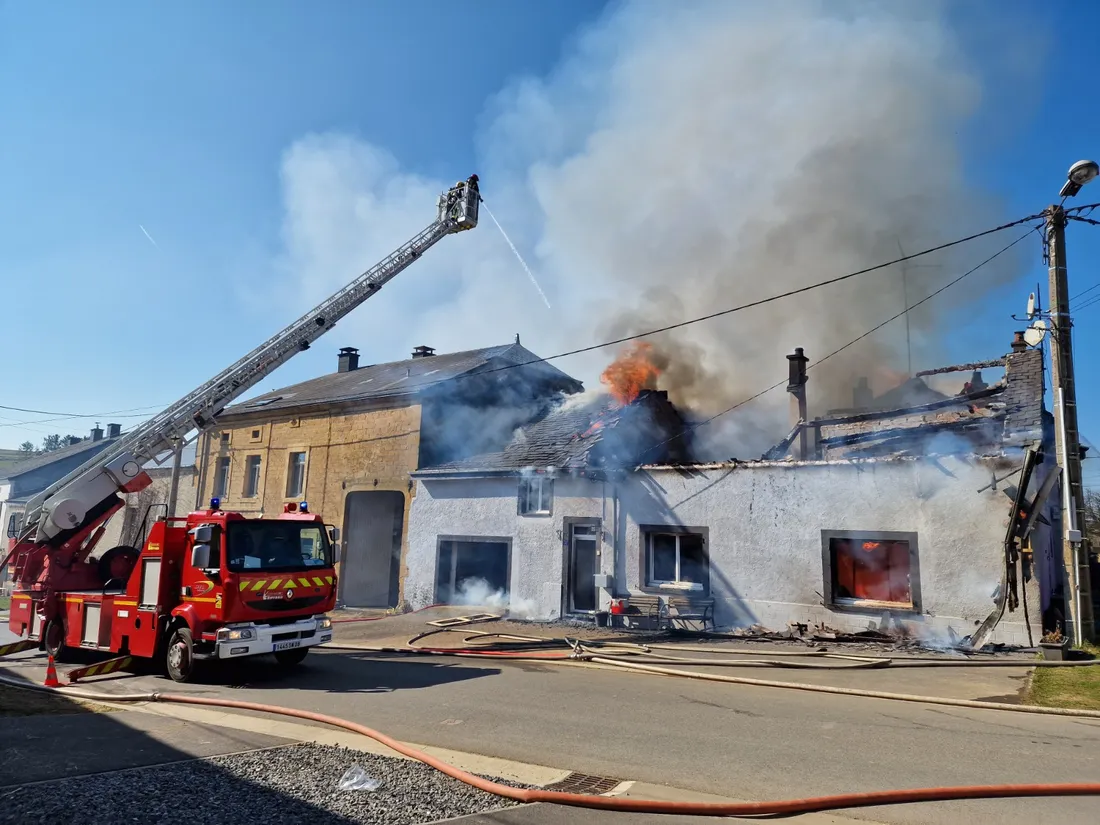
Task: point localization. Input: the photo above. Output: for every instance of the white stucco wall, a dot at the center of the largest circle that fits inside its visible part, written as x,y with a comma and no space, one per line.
764,526
488,507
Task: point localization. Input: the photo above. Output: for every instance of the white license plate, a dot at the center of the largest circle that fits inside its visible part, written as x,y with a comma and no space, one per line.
287,645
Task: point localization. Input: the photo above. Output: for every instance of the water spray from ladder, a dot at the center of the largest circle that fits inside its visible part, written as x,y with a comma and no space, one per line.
519,257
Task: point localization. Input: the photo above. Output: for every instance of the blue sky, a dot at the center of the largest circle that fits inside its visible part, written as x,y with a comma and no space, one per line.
233,133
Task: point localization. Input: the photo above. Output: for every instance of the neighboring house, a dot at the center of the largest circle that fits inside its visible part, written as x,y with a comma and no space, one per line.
895,516
347,442
21,481
8,458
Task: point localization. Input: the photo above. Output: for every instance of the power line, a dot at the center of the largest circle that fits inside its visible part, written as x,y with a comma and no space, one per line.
658,330
75,415
854,341
780,296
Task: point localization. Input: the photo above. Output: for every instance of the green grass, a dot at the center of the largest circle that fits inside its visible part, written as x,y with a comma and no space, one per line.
1067,687
5,602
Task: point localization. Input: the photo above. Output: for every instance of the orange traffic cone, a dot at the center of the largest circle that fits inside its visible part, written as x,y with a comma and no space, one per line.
51,674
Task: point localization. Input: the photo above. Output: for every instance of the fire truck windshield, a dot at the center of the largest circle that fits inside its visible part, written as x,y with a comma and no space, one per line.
276,546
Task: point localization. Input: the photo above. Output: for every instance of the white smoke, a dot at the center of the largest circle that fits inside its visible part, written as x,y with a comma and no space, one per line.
477,592
684,158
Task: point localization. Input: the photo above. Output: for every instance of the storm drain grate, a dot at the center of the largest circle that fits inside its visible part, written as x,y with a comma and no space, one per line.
584,783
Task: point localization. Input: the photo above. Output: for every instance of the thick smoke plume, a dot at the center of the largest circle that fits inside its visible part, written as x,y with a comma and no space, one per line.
685,158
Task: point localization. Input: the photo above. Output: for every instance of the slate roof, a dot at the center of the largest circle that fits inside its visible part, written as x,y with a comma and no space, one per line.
567,436
400,378
45,459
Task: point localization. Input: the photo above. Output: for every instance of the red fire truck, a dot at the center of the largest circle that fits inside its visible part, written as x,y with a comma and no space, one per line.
212,585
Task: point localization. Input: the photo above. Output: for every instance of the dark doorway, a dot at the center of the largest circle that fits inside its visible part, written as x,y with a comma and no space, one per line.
472,571
584,564
371,570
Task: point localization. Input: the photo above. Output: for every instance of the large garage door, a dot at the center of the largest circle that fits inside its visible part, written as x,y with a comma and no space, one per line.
369,576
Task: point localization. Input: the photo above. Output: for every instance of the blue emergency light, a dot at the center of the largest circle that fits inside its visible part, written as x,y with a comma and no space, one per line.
215,503
303,507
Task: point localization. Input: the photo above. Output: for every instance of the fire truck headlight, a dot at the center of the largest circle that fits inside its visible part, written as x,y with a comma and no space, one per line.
324,623
236,634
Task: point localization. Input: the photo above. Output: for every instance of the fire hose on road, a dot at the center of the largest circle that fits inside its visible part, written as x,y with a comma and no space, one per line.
775,807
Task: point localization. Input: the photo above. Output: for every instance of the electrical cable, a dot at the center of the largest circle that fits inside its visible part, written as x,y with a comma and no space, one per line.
697,424
772,298
656,331
75,415
607,803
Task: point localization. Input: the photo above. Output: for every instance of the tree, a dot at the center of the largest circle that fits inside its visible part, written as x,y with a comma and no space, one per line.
55,442
26,447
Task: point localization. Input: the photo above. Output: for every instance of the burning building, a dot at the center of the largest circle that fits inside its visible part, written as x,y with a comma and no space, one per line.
892,514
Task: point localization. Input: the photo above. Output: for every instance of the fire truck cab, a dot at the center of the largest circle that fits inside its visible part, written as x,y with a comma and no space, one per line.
212,585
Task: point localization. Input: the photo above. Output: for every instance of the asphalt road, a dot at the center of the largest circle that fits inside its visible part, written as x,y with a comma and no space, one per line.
736,741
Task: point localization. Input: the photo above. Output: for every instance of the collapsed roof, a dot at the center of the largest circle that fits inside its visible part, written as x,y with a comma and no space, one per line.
599,434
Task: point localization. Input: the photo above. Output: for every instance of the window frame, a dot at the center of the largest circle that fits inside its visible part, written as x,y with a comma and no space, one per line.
218,464
467,539
248,475
852,605
293,451
651,585
546,490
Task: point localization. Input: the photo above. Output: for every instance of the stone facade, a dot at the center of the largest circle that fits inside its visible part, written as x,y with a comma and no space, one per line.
371,447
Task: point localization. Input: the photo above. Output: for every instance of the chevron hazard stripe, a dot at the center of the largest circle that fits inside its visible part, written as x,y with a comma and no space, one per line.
17,647
292,583
101,669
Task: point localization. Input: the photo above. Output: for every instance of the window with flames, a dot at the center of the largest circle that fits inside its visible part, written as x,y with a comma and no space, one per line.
876,570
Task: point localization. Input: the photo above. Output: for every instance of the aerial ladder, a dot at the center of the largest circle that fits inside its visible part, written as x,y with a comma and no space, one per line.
63,523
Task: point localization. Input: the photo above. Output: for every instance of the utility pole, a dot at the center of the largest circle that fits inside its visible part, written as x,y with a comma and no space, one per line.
1075,551
905,269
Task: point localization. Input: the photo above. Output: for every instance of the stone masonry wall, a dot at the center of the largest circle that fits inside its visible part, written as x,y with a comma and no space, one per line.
346,451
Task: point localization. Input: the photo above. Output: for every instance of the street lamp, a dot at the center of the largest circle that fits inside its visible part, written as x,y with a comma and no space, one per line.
1079,174
1066,435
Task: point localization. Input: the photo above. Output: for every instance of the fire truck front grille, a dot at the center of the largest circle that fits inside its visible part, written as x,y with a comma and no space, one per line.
286,604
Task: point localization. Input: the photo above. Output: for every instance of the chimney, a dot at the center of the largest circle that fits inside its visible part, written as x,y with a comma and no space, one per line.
796,386
97,433
74,440
862,397
348,360
423,352
114,430
1018,342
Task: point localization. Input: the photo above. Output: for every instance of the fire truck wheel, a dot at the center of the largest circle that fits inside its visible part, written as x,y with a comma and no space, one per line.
53,639
291,658
179,656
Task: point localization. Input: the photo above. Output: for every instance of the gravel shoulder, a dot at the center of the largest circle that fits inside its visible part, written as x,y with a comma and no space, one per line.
278,786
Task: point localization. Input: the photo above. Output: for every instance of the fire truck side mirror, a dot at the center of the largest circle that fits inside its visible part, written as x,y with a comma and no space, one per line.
203,534
334,534
13,525
200,556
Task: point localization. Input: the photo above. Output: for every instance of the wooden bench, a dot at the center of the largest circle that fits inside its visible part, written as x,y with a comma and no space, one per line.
661,610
